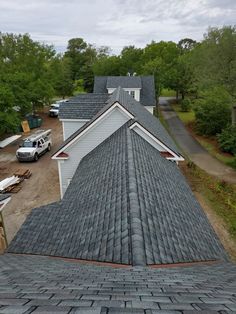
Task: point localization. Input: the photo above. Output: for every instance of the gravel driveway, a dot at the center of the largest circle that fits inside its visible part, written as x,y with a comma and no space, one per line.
192,147
41,188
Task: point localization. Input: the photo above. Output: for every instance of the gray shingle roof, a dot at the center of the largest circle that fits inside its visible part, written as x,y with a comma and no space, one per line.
124,82
36,284
146,83
83,106
125,204
145,118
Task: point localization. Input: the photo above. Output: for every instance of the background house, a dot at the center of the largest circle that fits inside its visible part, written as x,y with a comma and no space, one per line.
141,88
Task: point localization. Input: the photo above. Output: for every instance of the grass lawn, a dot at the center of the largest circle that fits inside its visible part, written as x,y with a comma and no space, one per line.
210,144
168,92
186,117
220,197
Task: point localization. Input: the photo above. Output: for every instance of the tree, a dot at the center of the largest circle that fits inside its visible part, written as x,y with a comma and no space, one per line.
186,44
24,65
8,116
107,65
160,59
131,60
60,68
76,50
214,60
213,111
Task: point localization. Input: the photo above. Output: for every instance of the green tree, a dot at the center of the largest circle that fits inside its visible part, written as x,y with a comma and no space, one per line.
8,116
214,60
186,45
213,111
24,68
107,65
60,68
160,59
131,60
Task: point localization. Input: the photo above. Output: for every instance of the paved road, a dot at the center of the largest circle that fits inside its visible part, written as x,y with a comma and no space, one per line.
192,148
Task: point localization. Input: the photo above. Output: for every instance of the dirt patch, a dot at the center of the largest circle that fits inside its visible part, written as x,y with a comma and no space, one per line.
219,226
40,189
216,221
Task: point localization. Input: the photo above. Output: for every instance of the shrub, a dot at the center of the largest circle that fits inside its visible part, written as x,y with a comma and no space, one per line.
185,105
213,111
227,140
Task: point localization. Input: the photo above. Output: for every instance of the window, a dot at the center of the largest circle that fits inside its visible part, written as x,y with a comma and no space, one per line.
132,93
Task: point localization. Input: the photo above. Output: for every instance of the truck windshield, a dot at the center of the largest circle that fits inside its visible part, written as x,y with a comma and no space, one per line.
29,144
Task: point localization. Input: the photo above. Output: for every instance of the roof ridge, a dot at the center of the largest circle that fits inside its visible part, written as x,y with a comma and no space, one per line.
137,237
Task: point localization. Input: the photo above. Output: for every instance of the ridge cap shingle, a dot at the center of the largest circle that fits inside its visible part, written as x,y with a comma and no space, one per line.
137,243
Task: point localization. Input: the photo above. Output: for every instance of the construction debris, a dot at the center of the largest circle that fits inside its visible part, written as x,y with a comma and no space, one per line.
8,182
9,140
11,184
23,173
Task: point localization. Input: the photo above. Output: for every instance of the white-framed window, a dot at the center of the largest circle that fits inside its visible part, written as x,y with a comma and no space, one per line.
132,93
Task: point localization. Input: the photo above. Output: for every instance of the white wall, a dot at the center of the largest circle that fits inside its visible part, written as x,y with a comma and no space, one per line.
149,108
87,142
136,92
69,127
148,139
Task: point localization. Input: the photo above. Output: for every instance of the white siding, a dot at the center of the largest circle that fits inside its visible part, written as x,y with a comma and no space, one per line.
149,108
148,139
96,135
69,127
136,92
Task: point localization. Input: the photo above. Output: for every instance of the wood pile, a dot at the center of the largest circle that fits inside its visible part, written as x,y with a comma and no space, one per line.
23,173
12,184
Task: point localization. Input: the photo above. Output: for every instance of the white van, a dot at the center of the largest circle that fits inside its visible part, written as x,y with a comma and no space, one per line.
34,146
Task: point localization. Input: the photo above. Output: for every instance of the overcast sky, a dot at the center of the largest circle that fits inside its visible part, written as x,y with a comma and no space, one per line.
114,23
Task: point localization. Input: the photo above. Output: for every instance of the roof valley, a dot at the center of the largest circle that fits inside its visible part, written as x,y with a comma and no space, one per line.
137,243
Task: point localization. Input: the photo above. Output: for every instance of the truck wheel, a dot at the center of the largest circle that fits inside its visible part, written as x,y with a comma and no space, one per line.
49,148
36,157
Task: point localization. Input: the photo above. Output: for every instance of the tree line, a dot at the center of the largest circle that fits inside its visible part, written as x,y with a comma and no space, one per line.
203,73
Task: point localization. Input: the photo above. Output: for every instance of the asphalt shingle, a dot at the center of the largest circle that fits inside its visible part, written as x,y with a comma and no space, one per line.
145,83
125,204
83,106
37,272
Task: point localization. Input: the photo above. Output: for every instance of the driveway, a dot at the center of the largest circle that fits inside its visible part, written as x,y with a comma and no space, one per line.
191,147
40,189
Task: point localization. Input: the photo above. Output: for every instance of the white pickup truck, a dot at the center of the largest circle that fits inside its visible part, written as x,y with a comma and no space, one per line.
34,146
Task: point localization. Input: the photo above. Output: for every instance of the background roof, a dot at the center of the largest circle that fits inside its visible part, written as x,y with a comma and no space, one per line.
147,92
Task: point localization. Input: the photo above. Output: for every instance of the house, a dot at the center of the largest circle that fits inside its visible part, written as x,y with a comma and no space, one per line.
118,109
78,110
124,199
141,88
126,204
128,235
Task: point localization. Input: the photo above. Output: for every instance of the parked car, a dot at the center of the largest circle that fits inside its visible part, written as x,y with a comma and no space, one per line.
34,146
54,108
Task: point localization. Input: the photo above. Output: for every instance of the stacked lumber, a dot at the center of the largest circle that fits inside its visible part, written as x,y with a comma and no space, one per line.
23,173
11,184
